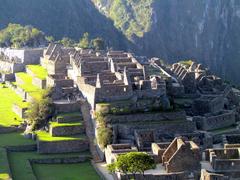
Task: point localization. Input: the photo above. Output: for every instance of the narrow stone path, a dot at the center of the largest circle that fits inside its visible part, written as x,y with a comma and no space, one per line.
90,131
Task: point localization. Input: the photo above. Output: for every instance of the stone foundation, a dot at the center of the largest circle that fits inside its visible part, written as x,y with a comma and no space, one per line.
68,146
21,112
39,83
66,130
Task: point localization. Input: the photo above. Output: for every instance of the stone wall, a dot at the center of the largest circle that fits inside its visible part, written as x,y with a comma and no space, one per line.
88,91
112,92
8,77
163,176
51,82
27,56
21,92
67,107
224,119
66,130
63,160
126,131
32,56
147,117
11,67
21,112
39,83
22,148
54,147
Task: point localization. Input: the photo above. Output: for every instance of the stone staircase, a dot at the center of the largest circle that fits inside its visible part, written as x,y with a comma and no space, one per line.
66,134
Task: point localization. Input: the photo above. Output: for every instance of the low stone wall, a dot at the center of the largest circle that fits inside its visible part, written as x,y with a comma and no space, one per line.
4,130
146,117
67,107
166,176
21,92
8,77
225,119
126,131
66,130
21,112
226,164
54,147
69,119
64,160
22,148
39,83
19,80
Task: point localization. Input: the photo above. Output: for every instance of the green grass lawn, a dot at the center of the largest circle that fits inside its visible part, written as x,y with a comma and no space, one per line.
45,136
4,171
14,139
22,170
8,98
9,139
27,85
39,71
81,171
55,124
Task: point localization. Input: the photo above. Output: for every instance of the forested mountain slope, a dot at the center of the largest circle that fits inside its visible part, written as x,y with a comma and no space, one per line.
207,31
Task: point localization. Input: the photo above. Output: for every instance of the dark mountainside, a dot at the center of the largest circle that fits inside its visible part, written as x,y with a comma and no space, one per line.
60,18
207,31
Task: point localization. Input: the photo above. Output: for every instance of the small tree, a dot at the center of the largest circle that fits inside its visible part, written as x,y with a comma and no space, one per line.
132,162
104,136
67,42
98,44
84,42
40,111
49,38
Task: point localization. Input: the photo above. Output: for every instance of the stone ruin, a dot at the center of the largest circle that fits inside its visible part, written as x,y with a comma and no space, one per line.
181,156
15,60
114,150
224,161
113,76
197,78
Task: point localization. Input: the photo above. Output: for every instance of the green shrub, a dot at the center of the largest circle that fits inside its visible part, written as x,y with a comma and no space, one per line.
40,111
104,136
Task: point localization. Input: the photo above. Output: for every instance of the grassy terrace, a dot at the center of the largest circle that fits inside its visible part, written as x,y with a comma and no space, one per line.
38,71
8,98
45,136
66,115
21,169
82,171
14,139
9,139
55,124
27,86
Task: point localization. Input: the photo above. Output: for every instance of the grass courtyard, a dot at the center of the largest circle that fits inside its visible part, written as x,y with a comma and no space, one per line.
80,171
8,98
21,168
38,71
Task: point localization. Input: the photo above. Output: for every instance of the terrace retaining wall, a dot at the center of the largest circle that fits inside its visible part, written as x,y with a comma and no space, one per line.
66,130
67,146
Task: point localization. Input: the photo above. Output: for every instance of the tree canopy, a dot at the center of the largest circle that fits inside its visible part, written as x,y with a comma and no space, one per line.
132,162
84,41
17,36
40,111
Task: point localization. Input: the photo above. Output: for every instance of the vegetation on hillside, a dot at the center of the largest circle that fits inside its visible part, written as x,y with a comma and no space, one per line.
84,42
17,36
131,17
